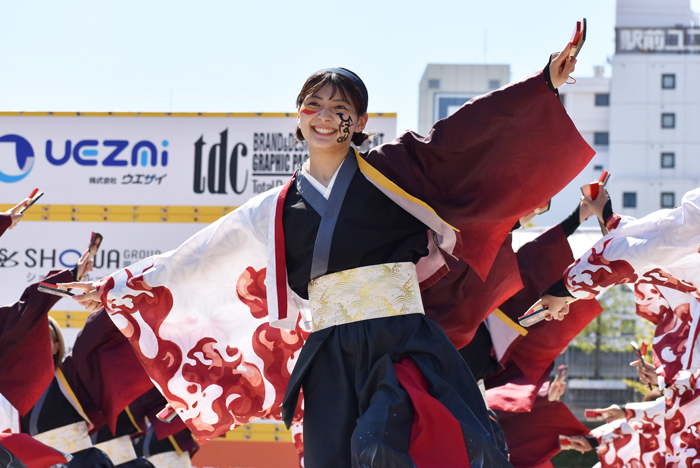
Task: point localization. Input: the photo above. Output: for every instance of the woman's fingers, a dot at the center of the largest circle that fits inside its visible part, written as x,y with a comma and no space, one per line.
14,210
83,286
561,58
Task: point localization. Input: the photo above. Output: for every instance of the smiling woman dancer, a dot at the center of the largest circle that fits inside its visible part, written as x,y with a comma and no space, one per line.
350,241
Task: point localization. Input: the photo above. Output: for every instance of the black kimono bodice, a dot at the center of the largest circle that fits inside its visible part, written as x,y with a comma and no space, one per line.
56,411
371,229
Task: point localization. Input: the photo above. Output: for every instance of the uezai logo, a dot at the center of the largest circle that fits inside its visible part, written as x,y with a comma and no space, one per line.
85,153
21,153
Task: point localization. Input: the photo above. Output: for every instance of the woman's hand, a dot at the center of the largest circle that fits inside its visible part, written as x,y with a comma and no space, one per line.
85,264
597,205
561,66
558,306
91,297
584,211
15,214
646,372
580,444
556,389
612,413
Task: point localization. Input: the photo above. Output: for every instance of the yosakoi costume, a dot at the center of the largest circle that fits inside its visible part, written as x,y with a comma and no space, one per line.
219,323
636,441
675,350
661,254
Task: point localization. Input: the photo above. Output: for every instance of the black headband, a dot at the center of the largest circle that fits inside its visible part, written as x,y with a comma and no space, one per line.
348,74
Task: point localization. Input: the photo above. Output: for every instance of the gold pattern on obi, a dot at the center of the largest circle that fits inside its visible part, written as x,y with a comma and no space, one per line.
67,439
119,450
364,293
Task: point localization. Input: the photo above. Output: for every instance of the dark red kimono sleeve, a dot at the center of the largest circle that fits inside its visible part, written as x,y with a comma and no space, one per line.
103,371
541,262
533,438
26,358
452,301
5,222
497,158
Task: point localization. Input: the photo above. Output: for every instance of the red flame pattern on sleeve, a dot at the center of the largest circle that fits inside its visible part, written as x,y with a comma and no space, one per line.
596,273
659,277
209,363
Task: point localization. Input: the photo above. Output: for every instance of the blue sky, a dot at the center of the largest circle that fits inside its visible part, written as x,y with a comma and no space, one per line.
243,56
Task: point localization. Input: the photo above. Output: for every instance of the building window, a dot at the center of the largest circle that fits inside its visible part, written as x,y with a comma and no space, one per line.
494,84
668,200
668,120
433,84
602,99
668,160
598,167
629,200
668,81
601,138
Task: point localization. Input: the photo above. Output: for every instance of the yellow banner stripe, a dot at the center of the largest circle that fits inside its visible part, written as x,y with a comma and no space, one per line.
124,213
69,318
505,319
260,432
170,114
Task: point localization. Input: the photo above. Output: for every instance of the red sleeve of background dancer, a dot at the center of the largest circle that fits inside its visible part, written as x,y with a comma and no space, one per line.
546,340
104,372
489,163
533,438
26,359
541,262
511,391
460,300
5,222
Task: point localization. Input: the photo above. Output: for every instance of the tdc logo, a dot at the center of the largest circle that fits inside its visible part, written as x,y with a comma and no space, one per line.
16,158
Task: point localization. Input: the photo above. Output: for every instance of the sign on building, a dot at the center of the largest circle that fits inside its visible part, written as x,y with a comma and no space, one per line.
657,40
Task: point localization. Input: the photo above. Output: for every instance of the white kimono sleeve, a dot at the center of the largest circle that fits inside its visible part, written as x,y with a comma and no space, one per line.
661,248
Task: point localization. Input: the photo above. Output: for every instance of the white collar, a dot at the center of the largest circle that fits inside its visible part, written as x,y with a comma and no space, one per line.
325,191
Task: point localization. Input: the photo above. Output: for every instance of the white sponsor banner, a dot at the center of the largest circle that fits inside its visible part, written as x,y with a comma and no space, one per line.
118,161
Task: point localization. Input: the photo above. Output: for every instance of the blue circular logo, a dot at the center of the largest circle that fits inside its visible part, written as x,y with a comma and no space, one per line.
24,157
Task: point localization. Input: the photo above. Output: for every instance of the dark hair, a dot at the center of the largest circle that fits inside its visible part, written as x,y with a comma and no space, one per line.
341,84
57,337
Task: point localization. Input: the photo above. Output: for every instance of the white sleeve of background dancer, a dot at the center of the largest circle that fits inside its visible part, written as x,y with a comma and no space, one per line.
657,240
643,413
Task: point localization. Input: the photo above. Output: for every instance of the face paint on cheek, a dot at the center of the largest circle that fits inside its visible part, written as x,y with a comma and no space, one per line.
307,111
344,128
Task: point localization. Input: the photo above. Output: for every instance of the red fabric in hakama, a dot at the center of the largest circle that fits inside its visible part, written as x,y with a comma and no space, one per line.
436,436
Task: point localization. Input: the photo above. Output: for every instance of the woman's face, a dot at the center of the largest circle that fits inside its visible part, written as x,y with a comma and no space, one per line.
328,121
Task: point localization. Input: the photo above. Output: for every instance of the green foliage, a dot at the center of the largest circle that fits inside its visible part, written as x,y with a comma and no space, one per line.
638,386
574,459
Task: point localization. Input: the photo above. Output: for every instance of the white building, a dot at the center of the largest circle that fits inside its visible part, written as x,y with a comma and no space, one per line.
654,105
643,122
444,88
